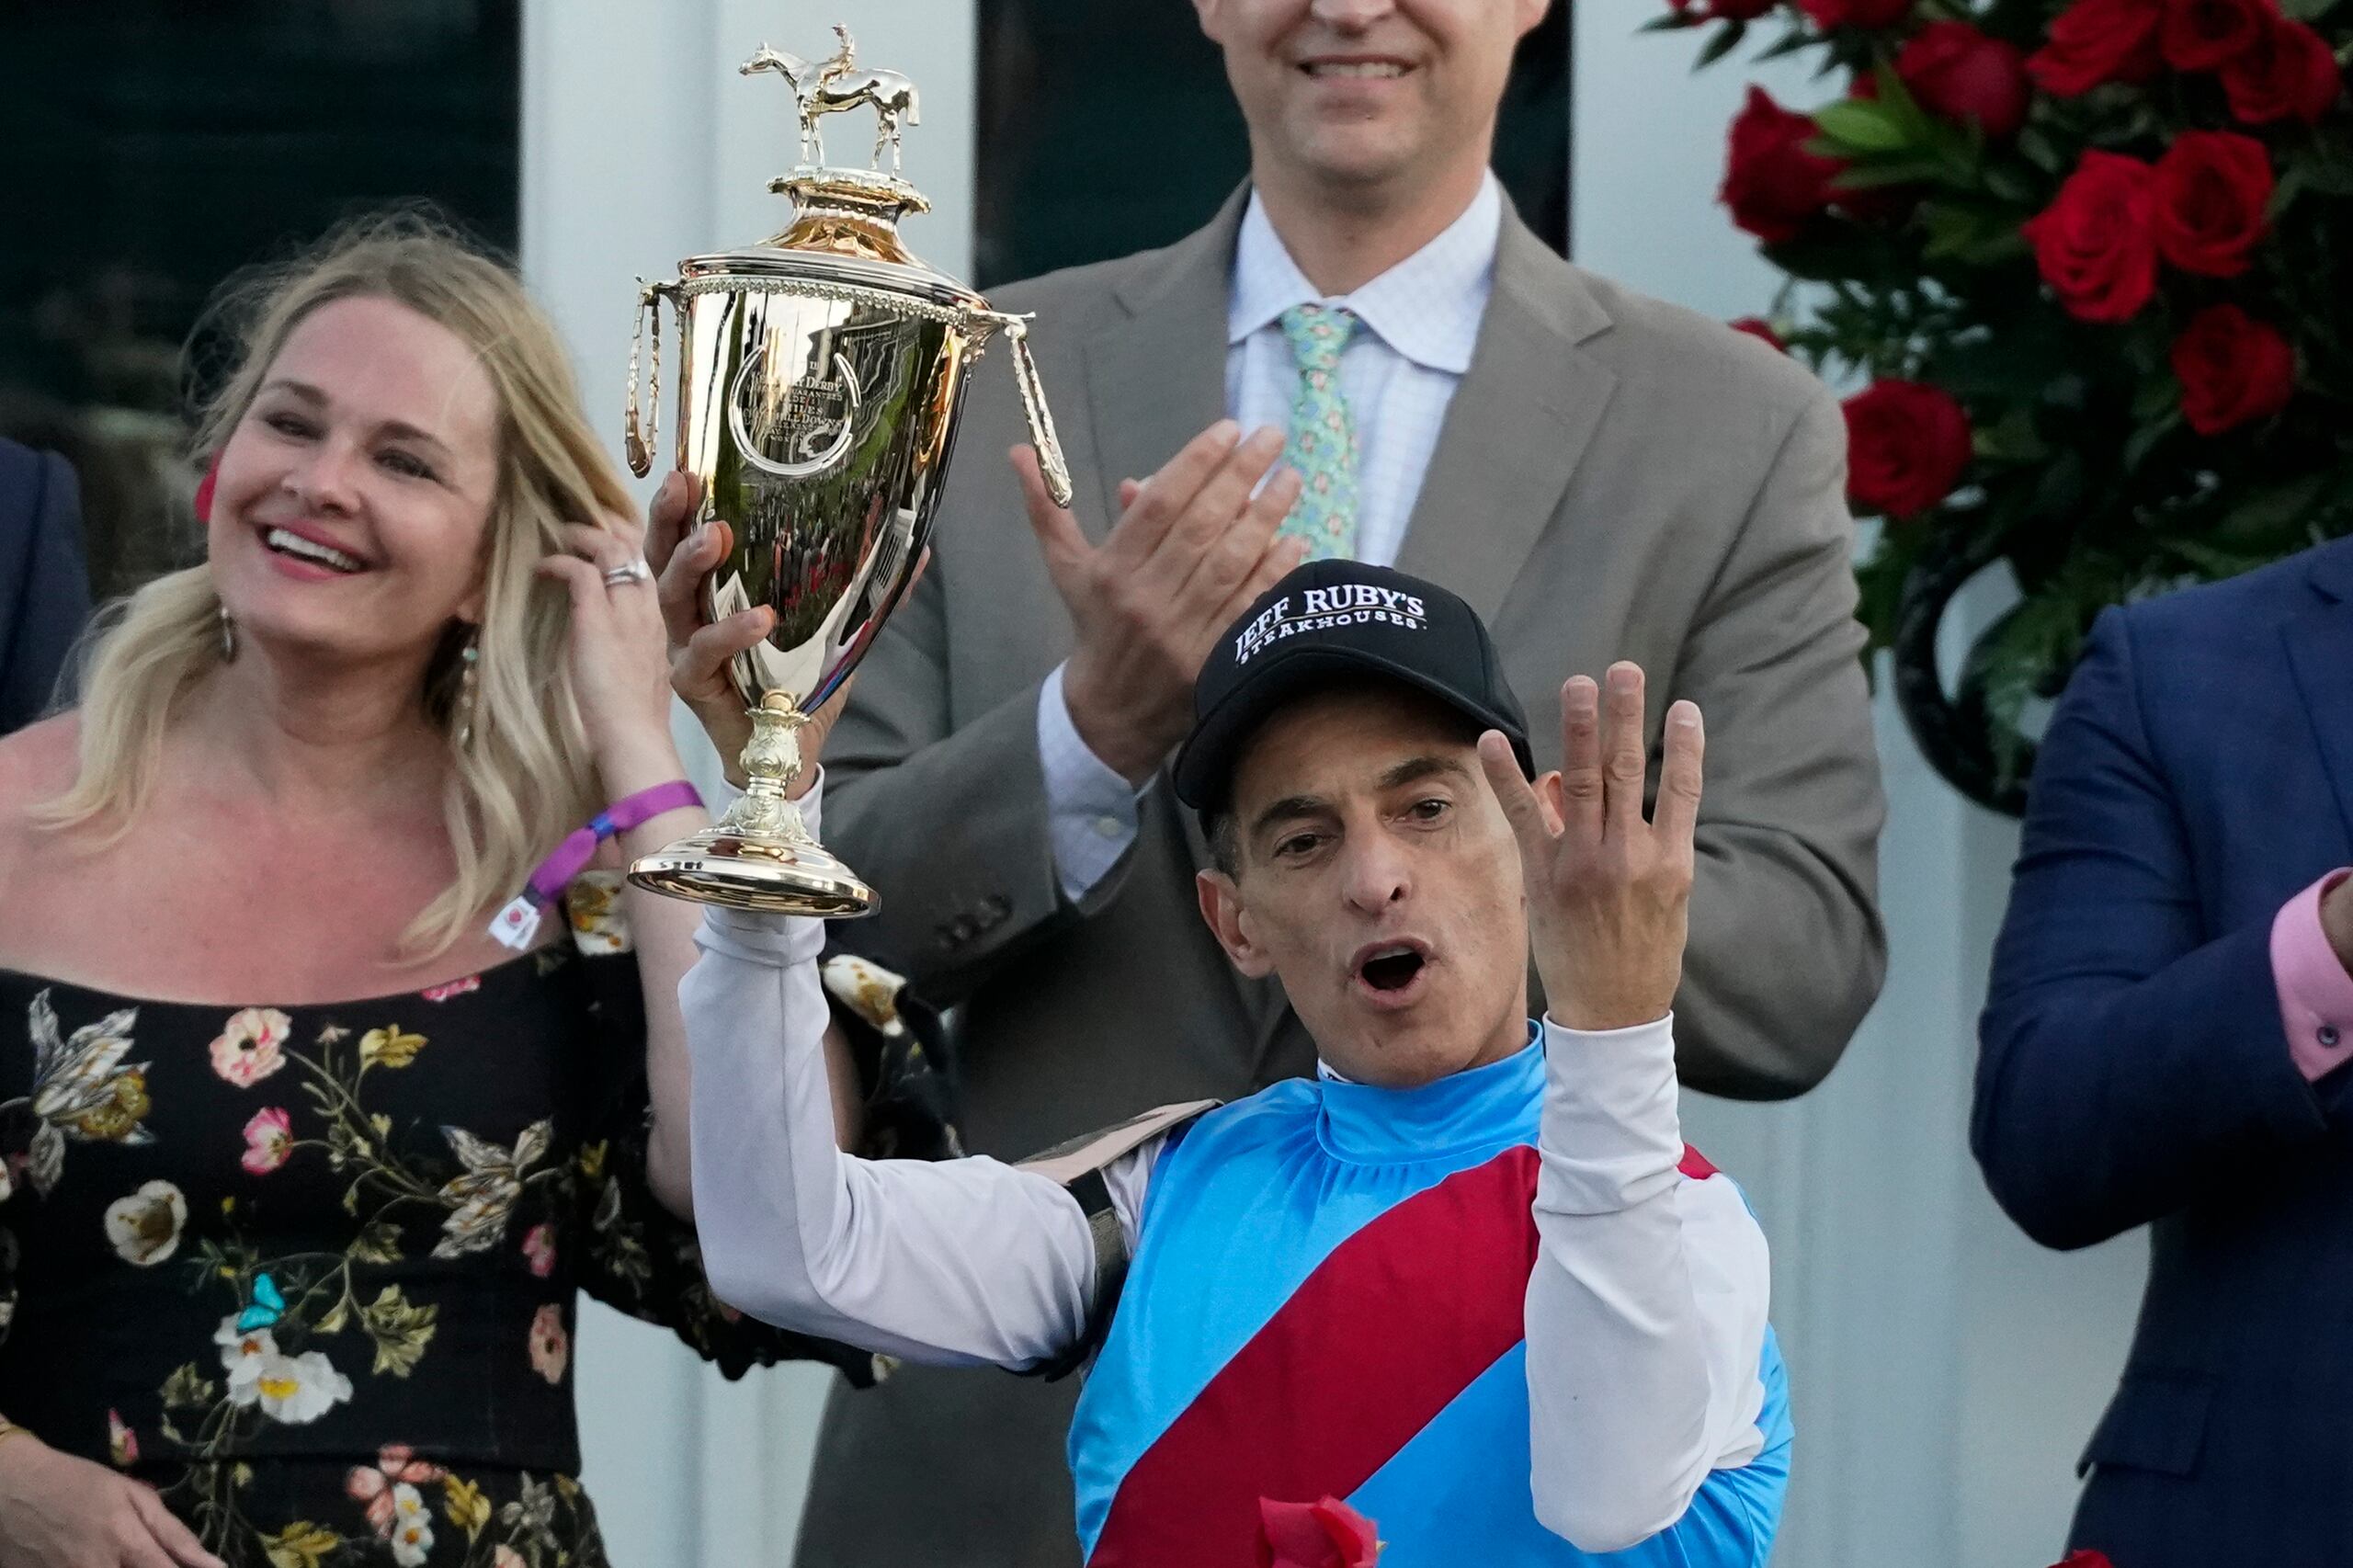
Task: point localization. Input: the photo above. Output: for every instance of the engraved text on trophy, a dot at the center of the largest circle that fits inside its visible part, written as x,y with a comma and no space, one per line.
794,429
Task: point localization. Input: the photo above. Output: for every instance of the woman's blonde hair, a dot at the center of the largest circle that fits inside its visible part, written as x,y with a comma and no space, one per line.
525,776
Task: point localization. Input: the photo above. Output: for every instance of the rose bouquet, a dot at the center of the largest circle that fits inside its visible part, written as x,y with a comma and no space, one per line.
2092,262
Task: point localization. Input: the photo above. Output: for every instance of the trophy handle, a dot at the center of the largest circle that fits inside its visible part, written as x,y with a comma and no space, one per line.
638,440
1050,466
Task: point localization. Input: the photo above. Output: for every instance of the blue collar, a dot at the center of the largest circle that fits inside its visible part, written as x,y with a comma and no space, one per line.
1482,1108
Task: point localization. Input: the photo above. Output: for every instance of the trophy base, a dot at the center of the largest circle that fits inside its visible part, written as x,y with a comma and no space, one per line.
772,873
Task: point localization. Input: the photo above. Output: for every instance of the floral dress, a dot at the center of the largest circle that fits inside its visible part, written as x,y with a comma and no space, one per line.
310,1271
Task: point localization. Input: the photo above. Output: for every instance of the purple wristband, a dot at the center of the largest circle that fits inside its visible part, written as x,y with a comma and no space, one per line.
519,921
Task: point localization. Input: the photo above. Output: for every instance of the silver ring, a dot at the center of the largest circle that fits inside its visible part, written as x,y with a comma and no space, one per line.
635,571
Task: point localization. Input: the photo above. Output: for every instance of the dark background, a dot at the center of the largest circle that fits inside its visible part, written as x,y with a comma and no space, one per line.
1106,127
157,147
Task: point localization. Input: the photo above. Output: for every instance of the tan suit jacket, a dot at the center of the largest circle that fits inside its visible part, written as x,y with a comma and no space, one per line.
1616,478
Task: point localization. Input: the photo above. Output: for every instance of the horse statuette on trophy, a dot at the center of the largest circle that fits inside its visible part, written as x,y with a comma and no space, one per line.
831,86
821,375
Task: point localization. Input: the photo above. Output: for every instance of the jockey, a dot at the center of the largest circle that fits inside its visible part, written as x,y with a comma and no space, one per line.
1468,1280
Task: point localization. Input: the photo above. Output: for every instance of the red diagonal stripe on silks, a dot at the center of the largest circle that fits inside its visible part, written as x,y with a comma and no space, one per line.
1386,1330
1696,1165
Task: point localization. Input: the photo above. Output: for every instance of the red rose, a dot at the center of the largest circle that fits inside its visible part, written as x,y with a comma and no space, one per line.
1761,330
2201,35
2092,243
2290,73
2232,369
1772,185
1906,446
2086,1559
2098,41
1956,70
1328,1534
1828,13
2206,202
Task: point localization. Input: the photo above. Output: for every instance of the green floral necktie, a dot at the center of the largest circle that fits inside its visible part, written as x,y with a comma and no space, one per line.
1322,440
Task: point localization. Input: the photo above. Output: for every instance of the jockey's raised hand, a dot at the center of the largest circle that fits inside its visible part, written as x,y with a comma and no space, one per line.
1608,891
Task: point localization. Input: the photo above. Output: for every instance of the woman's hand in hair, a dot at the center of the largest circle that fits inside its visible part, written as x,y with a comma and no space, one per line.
616,652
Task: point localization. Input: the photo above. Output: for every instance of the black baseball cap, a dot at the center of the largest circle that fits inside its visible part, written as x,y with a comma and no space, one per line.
1325,622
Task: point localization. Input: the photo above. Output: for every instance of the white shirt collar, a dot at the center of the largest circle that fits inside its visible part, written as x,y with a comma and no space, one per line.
1427,307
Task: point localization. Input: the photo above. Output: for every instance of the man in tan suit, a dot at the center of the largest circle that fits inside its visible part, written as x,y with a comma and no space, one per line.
1600,475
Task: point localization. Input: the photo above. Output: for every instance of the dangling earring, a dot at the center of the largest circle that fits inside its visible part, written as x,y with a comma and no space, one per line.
228,636
462,711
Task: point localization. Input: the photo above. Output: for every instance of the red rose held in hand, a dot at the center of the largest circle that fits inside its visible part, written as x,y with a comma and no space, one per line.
2232,369
1958,72
2096,41
1827,13
1773,185
2207,197
1325,1534
2289,75
1906,447
2201,35
2092,243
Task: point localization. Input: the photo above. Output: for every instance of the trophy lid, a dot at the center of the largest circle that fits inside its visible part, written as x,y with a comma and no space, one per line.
846,222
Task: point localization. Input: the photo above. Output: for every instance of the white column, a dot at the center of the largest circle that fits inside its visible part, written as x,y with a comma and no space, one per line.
640,146
1944,1370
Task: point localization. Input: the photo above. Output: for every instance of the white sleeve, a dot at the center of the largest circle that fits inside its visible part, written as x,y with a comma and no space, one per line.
1646,1309
1091,814
956,1262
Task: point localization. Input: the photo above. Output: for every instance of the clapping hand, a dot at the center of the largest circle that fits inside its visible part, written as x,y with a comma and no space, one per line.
1608,892
1194,545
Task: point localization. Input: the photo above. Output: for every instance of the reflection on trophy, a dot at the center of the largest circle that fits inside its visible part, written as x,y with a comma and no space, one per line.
821,377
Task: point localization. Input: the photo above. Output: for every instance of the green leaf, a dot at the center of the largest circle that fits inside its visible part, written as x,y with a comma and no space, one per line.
377,1241
2011,439
2306,10
2293,184
2157,398
1859,125
1723,43
1796,41
2008,183
1673,22
2216,564
1880,172
2014,365
2147,438
2037,148
2271,512
187,1389
401,1331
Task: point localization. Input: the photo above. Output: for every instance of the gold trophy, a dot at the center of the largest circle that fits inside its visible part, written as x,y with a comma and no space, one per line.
820,379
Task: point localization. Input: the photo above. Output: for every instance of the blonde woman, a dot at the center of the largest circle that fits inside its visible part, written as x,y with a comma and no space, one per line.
301,1167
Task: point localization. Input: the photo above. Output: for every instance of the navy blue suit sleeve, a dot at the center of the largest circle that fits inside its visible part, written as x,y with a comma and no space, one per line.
43,607
2129,1059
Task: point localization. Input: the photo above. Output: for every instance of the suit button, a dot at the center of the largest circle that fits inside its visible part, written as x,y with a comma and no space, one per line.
2328,1036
